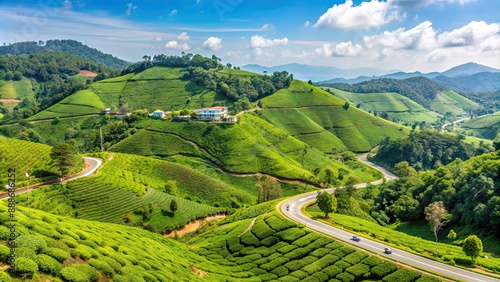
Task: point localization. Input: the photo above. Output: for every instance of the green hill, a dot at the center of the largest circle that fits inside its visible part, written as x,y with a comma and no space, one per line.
254,146
321,120
486,126
24,156
450,101
22,89
395,105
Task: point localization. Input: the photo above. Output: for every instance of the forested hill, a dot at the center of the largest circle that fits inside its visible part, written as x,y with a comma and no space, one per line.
70,46
420,89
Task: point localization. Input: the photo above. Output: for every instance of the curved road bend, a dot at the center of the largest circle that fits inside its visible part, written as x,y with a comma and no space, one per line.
296,203
91,165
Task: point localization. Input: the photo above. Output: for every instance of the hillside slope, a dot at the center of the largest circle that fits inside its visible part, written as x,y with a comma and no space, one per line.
487,126
321,120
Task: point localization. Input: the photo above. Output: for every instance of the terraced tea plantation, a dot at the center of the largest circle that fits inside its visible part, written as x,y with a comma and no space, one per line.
275,249
90,199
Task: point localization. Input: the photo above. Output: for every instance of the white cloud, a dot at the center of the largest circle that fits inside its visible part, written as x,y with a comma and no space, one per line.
421,3
212,43
367,14
307,23
176,46
183,36
130,8
472,34
67,4
343,49
268,26
258,41
421,37
158,38
173,13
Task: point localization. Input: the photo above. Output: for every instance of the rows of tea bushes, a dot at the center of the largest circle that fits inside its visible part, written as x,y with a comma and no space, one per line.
275,249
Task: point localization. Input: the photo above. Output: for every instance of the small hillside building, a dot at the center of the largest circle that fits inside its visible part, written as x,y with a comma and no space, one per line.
213,112
158,114
231,119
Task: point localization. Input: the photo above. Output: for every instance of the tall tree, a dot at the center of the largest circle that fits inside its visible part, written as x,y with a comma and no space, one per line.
473,246
437,216
173,206
268,189
65,157
327,203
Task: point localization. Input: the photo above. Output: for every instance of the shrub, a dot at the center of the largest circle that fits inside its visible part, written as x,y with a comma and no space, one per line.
23,252
293,265
274,263
346,250
102,266
299,274
287,249
342,264
31,242
372,261
288,278
359,271
4,277
112,263
48,264
320,252
279,224
4,232
4,253
249,258
280,271
233,244
80,272
333,246
306,240
88,243
402,275
297,253
383,269
291,234
267,276
345,277
58,254
269,241
262,230
427,279
312,268
26,265
310,279
321,276
58,244
248,239
257,271
332,270
463,260
354,258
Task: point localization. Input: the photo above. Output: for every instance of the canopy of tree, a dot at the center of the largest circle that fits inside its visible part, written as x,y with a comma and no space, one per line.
70,46
427,150
420,89
468,190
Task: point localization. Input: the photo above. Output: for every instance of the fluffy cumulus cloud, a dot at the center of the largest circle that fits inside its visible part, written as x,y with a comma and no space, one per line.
183,36
343,49
258,41
67,4
421,37
173,13
177,46
212,43
472,34
367,14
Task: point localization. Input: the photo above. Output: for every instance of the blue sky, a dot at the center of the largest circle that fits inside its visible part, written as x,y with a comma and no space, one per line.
408,35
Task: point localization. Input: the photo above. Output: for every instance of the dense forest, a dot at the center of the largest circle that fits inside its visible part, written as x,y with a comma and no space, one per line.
420,89
427,150
51,74
468,189
203,71
69,46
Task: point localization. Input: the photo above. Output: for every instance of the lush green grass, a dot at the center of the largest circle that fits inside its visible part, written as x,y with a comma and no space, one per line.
486,126
151,143
160,73
427,247
334,127
396,105
253,146
450,101
83,102
275,248
85,247
298,95
91,199
24,156
16,89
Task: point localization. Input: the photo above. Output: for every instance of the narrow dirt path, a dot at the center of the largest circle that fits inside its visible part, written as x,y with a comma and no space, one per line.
193,226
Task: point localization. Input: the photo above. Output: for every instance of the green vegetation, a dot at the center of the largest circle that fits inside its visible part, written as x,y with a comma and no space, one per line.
450,101
25,157
21,89
427,149
487,126
472,247
65,158
253,146
398,107
318,118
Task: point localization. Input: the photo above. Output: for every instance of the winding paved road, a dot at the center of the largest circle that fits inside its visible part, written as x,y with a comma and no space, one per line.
294,213
91,165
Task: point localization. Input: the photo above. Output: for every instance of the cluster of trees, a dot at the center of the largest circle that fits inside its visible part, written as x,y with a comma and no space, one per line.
467,189
235,88
420,89
69,46
427,150
183,61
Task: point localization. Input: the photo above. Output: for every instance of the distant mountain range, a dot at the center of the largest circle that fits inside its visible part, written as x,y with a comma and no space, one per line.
69,46
315,73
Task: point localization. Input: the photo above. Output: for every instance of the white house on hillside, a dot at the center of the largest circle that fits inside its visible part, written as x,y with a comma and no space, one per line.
213,112
158,114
